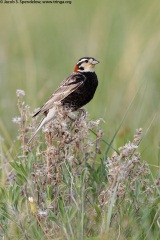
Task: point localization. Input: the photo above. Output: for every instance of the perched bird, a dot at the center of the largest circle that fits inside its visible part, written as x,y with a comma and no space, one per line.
74,92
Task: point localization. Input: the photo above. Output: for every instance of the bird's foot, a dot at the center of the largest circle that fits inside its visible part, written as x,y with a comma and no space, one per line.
81,113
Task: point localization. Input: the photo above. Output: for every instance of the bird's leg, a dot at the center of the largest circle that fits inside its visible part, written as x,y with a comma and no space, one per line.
71,117
81,113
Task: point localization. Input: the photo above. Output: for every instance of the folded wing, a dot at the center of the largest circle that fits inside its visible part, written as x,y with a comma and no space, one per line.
68,86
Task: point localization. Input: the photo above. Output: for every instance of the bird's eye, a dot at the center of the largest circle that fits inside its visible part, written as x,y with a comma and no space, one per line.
86,61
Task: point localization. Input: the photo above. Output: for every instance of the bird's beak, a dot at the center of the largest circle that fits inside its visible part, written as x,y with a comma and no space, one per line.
94,62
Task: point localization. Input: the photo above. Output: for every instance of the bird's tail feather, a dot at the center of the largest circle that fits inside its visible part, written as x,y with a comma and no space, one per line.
42,122
51,114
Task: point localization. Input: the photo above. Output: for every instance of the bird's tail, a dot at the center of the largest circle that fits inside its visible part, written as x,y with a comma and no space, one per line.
42,122
50,115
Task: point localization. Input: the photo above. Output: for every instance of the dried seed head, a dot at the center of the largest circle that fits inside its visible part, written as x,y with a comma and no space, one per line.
16,120
20,93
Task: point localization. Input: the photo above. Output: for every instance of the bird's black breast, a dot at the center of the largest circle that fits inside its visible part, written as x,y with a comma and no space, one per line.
84,93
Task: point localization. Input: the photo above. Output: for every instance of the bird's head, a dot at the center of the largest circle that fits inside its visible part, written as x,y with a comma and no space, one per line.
86,64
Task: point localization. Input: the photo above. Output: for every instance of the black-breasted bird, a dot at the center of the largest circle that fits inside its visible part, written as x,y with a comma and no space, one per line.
74,92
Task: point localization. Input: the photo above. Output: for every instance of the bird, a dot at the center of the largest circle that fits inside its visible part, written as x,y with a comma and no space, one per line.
74,92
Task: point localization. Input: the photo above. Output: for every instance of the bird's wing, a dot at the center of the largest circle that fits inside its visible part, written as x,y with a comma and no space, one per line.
69,85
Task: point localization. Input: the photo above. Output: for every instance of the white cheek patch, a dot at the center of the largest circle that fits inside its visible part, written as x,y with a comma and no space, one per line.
87,67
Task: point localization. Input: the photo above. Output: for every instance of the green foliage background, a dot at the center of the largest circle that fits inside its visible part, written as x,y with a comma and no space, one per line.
39,46
40,43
